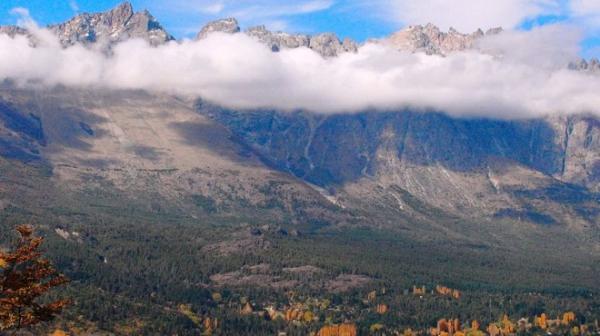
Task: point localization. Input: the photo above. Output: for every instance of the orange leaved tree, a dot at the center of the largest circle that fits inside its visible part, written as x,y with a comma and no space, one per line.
25,276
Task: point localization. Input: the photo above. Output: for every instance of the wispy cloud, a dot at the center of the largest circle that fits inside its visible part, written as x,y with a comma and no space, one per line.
469,15
74,6
587,12
213,8
275,14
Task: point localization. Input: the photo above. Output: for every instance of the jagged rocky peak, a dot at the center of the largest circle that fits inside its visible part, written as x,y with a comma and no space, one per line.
113,26
593,65
278,40
12,31
116,25
228,25
431,40
326,44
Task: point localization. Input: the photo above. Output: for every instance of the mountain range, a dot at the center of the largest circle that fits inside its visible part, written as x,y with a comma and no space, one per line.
518,189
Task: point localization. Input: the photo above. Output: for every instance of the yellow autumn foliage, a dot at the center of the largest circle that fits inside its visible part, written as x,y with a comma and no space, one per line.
376,327
541,321
308,316
217,297
210,325
475,333
568,317
507,326
408,332
382,309
575,331
419,291
58,332
247,309
345,329
493,330
3,263
187,311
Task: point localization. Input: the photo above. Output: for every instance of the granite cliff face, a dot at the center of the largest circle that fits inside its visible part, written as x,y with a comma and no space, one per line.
544,170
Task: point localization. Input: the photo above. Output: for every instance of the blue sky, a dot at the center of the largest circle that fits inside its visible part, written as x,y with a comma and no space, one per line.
358,19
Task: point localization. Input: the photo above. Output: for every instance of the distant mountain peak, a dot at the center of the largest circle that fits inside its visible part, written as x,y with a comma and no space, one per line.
227,25
431,40
115,25
326,44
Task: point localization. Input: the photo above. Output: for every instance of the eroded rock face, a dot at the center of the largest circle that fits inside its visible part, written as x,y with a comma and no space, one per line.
581,145
326,44
229,26
12,31
543,167
278,40
431,40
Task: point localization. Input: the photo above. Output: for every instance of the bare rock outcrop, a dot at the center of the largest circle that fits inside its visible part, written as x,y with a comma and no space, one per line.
12,31
116,25
431,40
591,66
326,44
278,40
228,25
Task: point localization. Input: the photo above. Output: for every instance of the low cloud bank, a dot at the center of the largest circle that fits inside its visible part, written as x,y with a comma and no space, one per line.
512,75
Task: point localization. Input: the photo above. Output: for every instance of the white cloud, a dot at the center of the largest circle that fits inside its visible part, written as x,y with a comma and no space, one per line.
469,15
269,9
587,12
74,6
585,7
23,14
522,74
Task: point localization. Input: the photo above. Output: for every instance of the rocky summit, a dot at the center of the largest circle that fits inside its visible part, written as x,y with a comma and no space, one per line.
326,44
432,41
228,26
116,25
